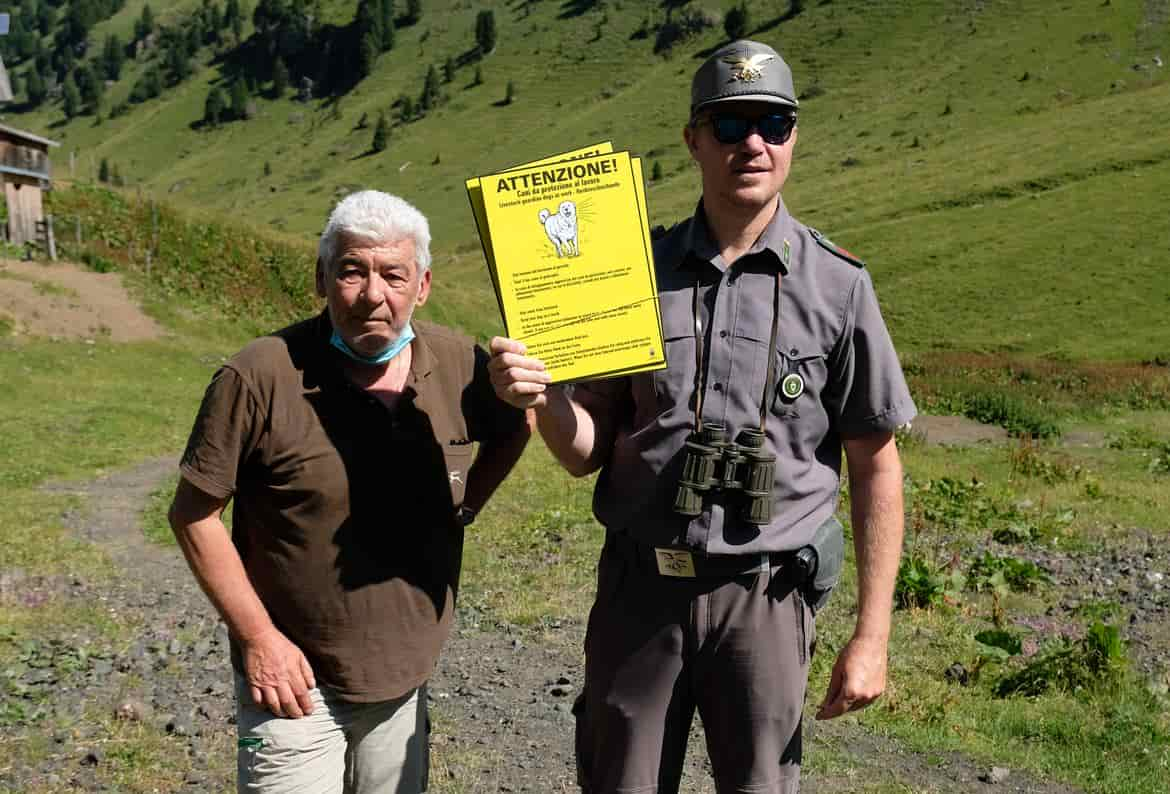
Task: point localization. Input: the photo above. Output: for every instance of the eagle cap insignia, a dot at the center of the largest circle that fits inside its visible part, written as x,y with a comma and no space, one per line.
747,69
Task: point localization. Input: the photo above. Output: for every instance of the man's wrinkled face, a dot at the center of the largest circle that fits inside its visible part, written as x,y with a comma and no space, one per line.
744,175
372,289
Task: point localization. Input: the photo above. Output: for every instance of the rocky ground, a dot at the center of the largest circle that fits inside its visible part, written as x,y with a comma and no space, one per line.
500,700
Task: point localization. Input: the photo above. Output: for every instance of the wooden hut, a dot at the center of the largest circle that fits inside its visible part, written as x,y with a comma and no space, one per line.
24,169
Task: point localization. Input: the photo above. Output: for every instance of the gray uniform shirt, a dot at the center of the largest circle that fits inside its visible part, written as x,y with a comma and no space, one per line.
831,333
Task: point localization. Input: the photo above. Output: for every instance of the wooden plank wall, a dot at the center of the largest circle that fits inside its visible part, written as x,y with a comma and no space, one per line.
24,208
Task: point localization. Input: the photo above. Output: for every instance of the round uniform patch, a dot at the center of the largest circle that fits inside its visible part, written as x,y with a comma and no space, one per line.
792,386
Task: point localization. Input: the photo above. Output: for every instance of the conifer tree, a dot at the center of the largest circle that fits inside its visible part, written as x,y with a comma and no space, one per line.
145,24
381,134
413,11
431,92
406,110
35,88
233,18
736,21
46,16
367,54
280,78
213,108
104,171
154,82
387,25
70,97
449,70
485,31
510,93
368,19
91,87
178,67
113,57
239,99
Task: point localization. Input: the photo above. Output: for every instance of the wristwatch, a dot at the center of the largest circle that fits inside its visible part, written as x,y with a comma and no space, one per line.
464,515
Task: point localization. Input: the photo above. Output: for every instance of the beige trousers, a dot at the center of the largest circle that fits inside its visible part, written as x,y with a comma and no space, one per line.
341,748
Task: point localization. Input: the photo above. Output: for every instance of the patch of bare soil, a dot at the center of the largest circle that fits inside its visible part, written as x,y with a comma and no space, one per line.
500,699
65,301
956,431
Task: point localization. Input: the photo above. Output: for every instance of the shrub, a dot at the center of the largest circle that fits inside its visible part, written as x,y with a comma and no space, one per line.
1011,413
689,22
1160,464
381,133
1072,666
1027,461
736,21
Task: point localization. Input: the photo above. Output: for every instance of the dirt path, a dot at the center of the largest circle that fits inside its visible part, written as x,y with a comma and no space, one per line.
500,700
65,301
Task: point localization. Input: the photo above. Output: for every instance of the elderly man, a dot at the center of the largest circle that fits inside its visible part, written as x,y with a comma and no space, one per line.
345,442
720,475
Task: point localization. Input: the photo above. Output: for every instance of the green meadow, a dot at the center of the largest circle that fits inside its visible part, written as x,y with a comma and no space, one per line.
1003,168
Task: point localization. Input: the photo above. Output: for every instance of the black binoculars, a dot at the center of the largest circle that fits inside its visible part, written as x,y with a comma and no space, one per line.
715,463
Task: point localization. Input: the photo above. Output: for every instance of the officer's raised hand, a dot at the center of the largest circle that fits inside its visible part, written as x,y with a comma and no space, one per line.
518,379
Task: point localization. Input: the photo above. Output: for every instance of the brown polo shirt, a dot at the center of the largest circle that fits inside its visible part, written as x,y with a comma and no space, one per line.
831,334
344,511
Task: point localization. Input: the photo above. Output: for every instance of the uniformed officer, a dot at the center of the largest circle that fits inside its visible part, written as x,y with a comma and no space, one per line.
774,340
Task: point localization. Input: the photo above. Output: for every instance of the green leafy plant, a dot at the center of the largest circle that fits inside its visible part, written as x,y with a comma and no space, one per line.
1072,666
920,585
1033,528
1160,464
991,572
1027,460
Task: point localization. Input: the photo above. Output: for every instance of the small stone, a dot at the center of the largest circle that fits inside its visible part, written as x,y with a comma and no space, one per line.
957,674
132,711
180,726
175,648
92,757
996,775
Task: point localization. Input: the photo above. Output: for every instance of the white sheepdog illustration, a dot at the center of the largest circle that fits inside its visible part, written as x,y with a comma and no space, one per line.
561,228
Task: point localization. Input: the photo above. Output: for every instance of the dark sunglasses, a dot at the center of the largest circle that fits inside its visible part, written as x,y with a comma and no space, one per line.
774,128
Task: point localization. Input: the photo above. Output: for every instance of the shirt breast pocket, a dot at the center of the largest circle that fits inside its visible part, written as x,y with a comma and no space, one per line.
674,385
800,381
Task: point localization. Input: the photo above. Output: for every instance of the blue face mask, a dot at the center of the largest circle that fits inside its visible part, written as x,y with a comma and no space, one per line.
396,347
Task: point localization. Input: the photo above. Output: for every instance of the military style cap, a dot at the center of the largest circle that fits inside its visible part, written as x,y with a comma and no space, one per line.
744,71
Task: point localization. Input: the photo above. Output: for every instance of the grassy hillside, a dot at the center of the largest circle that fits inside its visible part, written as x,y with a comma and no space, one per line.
999,164
1004,168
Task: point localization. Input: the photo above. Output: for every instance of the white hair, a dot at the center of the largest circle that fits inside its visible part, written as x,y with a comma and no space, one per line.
379,218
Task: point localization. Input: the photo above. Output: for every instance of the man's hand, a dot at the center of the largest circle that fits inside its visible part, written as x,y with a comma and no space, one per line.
859,678
279,675
517,379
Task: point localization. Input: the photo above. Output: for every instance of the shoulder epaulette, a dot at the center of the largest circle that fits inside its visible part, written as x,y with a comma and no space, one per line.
836,250
658,232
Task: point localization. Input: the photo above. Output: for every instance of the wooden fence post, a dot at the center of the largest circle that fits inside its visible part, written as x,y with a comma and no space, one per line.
50,240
